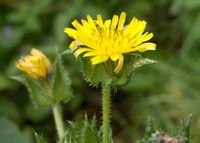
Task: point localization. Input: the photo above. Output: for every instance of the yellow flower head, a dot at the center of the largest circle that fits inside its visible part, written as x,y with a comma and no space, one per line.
110,39
36,65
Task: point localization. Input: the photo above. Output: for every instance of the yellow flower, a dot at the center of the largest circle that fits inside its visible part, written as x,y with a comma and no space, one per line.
110,39
36,65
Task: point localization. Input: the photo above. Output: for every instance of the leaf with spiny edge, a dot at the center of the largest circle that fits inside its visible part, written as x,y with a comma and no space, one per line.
152,135
84,132
60,81
131,64
39,97
184,132
150,128
39,138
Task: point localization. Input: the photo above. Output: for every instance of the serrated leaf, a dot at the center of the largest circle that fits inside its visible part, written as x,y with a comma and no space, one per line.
89,131
150,128
185,128
131,64
84,132
39,138
60,82
36,91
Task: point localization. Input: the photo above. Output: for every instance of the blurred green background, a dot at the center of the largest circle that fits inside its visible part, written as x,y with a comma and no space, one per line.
167,91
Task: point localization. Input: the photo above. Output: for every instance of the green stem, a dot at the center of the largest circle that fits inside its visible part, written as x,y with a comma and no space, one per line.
56,111
106,89
58,121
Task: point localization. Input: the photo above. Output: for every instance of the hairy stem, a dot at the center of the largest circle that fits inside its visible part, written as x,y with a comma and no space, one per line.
58,120
106,90
56,111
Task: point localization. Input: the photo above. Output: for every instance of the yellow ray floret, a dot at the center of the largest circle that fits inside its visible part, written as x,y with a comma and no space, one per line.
109,39
36,65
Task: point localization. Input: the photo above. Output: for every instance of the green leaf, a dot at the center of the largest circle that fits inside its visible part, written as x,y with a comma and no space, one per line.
9,133
185,129
150,128
36,91
130,65
84,132
60,82
39,138
89,131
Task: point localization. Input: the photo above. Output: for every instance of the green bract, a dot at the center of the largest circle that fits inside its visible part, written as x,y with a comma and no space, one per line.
102,73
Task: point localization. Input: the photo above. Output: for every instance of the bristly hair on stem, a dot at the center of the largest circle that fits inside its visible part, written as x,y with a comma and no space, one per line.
106,107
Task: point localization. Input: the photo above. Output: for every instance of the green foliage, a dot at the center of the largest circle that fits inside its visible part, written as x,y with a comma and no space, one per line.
60,81
39,138
153,135
150,128
38,94
84,132
132,64
184,131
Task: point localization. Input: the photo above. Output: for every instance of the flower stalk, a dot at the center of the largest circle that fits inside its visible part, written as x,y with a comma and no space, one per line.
106,105
56,112
58,121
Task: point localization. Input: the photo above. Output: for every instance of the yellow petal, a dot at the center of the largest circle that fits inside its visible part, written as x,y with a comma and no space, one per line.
114,21
122,19
141,48
146,46
81,50
27,70
85,24
91,22
99,20
146,37
38,55
36,52
131,26
77,25
120,63
140,39
99,59
83,31
142,27
137,30
114,57
107,23
73,45
90,54
71,32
